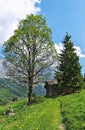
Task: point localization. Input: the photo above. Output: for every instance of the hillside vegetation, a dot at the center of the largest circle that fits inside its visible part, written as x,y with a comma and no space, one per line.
73,111
62,113
41,116
10,90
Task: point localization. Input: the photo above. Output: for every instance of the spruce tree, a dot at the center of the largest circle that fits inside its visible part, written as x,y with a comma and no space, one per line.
69,70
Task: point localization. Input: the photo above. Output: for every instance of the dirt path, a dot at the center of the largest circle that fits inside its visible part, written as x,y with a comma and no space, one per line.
62,127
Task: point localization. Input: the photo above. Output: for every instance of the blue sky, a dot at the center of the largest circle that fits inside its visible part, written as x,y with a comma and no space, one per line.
66,16
1,54
61,15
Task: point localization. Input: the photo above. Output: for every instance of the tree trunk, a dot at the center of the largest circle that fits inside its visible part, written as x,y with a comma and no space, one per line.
31,72
30,94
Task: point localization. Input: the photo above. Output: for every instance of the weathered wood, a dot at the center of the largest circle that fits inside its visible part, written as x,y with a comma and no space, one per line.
51,87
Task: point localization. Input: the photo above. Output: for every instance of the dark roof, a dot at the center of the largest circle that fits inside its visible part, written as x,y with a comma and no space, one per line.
51,82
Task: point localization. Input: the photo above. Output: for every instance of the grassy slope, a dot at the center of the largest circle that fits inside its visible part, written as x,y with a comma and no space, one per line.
46,115
73,110
42,116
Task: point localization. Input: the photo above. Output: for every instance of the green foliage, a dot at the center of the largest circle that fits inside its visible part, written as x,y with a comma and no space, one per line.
30,51
69,69
42,116
15,99
73,111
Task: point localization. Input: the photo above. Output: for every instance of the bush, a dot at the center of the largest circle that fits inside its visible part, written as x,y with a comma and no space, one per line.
15,99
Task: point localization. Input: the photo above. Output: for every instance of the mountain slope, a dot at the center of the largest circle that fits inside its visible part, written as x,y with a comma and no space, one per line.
10,90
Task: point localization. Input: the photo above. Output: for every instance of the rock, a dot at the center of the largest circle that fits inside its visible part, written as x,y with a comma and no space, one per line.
11,114
10,110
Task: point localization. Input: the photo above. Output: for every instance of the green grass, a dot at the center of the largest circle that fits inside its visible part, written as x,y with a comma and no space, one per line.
73,111
47,114
41,116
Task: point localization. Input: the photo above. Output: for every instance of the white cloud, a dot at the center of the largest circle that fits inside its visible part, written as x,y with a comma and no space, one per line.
11,11
59,47
79,51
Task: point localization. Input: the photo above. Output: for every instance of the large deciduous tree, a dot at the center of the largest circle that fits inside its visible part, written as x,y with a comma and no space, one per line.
30,51
69,70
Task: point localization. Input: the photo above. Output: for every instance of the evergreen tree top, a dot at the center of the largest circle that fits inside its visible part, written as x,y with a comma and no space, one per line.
67,38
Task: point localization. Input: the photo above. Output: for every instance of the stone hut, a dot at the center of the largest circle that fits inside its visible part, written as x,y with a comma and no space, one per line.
51,87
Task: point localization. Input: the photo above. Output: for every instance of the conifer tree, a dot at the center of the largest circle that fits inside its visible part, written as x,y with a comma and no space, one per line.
69,69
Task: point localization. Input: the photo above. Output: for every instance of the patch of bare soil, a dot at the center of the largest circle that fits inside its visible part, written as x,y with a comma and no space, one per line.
62,127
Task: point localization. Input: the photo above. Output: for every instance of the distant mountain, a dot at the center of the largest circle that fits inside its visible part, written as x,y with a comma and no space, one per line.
10,90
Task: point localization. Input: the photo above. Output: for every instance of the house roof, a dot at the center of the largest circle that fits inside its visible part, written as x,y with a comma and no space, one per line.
51,82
